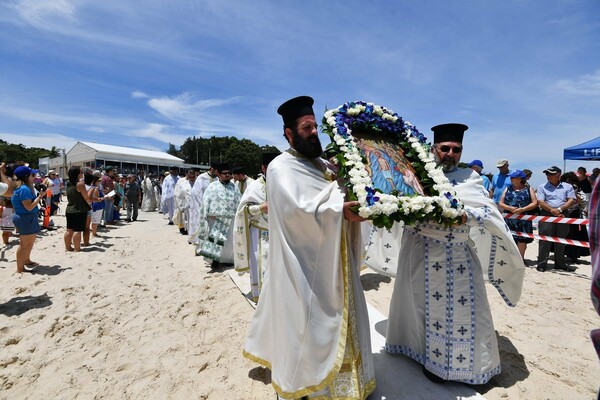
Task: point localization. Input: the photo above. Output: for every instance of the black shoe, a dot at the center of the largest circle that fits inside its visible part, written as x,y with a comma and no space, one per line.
127,220
432,377
183,231
566,268
541,269
171,223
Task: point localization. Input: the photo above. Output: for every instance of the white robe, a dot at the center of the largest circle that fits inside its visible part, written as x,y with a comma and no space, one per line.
168,195
311,324
183,191
149,200
251,236
439,313
202,182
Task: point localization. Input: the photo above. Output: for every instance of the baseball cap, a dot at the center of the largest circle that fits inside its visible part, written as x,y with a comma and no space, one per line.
23,171
502,163
477,163
552,170
517,174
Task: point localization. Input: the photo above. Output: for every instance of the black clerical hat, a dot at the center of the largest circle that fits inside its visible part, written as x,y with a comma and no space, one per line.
295,108
223,167
449,133
238,170
268,157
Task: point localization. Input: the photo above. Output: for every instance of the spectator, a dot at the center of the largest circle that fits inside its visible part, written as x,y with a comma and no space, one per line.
477,166
77,209
528,174
594,175
6,218
53,183
108,186
577,210
98,203
500,180
133,197
25,218
6,184
584,183
519,198
554,198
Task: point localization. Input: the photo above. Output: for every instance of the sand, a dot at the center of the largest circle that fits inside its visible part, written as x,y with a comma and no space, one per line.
138,316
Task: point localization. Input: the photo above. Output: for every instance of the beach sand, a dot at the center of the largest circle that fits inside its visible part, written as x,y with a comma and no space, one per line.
138,316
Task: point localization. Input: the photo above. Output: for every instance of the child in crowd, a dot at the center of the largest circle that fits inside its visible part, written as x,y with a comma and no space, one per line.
6,216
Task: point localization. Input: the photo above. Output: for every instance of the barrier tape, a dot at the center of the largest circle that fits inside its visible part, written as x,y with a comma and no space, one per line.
556,220
551,239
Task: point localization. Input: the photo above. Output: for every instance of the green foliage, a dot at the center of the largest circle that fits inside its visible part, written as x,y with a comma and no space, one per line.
237,152
10,152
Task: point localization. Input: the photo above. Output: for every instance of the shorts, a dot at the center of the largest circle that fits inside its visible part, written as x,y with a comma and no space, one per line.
6,219
97,216
27,224
76,221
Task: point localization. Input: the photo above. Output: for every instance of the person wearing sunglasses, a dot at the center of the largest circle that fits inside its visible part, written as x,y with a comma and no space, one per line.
25,203
215,232
439,313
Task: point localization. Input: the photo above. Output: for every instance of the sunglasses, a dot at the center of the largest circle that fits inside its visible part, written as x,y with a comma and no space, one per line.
446,149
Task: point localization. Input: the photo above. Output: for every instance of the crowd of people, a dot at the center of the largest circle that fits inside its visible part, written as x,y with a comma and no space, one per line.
310,327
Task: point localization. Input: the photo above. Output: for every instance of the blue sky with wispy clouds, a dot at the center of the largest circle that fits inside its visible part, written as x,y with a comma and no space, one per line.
524,75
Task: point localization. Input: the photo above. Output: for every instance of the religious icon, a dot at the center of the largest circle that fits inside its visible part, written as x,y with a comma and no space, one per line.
388,168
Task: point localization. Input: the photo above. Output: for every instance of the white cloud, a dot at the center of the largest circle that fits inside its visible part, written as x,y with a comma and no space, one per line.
586,85
158,132
139,95
44,140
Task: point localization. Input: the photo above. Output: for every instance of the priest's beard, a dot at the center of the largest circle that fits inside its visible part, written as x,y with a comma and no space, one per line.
310,147
448,163
225,181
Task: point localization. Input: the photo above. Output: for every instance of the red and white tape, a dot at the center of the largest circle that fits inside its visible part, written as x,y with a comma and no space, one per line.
551,239
556,220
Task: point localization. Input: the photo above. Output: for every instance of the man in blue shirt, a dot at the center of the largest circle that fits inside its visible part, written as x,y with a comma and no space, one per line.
500,180
477,166
554,198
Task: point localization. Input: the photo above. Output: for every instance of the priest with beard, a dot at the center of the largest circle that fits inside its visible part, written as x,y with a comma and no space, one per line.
439,312
311,326
219,205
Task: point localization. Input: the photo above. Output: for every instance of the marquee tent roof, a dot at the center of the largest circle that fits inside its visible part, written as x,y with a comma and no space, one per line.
589,150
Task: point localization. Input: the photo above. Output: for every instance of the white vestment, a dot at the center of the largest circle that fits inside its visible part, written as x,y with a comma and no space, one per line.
439,312
183,192
168,195
311,326
215,234
149,200
251,235
202,182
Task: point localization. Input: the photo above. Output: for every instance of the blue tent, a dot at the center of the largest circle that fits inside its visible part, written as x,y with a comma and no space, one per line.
589,150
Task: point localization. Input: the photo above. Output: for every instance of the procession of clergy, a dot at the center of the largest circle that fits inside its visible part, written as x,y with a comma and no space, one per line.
296,234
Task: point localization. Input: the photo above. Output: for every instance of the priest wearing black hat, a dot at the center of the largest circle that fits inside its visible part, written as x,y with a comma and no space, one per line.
311,326
439,313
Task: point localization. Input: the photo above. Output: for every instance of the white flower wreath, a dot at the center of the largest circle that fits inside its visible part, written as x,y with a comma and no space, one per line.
440,203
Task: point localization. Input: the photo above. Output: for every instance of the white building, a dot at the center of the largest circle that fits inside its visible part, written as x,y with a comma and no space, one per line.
124,159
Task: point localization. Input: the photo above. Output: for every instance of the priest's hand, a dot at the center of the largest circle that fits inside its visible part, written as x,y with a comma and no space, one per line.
351,215
264,208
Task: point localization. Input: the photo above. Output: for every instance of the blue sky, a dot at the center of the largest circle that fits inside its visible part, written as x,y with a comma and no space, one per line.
524,75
